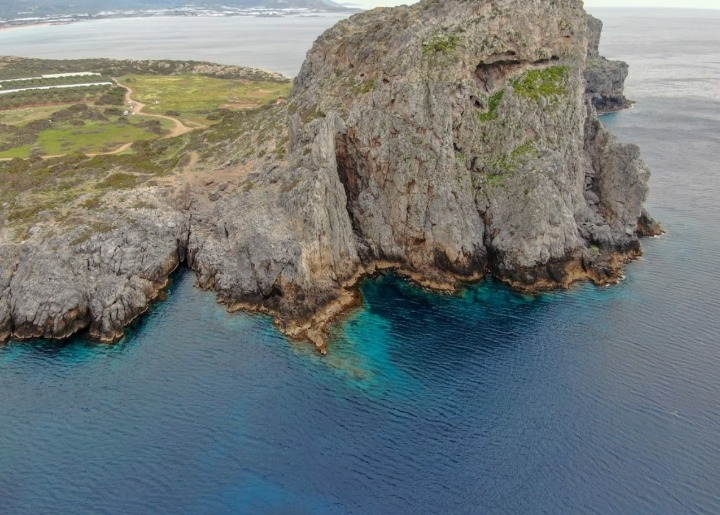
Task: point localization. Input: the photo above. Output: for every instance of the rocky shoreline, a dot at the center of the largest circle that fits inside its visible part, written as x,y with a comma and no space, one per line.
605,79
445,141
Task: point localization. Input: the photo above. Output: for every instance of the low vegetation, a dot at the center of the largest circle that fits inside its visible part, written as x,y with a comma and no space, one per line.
542,82
39,97
194,98
243,136
493,104
21,116
77,128
236,108
20,67
57,188
440,42
39,82
508,164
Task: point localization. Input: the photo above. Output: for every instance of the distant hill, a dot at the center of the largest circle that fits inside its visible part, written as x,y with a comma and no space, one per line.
14,9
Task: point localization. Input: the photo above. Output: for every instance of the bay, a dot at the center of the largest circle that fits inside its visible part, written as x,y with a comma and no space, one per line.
271,43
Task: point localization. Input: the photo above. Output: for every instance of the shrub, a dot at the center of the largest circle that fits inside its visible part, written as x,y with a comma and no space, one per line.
492,107
118,181
440,42
542,82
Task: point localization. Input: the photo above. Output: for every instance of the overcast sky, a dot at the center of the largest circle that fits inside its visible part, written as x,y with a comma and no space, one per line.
687,4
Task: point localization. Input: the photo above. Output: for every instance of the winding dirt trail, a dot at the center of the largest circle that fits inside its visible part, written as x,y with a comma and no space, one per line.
121,148
178,129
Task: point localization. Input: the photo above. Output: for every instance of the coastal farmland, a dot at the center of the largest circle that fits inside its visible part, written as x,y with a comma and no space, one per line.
196,99
63,150
51,88
61,113
53,108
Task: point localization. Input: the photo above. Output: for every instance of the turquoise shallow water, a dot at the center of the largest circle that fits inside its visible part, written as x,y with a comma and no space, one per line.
591,400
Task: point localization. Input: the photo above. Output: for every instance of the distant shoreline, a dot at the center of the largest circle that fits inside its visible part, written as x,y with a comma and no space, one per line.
275,43
162,13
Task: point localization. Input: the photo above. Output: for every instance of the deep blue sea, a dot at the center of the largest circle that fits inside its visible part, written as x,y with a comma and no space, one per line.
592,400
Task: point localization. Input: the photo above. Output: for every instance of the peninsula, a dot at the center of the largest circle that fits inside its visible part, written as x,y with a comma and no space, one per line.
445,141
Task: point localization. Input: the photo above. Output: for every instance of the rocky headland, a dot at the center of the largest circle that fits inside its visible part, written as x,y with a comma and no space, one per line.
605,79
445,141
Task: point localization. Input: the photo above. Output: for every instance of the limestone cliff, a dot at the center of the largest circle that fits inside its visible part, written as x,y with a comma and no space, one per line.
466,142
444,140
605,79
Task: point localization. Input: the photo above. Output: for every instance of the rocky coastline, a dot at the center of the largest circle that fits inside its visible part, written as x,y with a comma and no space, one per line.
446,141
605,79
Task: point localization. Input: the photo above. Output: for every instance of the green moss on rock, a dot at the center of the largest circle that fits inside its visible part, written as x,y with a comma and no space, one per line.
492,107
542,82
440,42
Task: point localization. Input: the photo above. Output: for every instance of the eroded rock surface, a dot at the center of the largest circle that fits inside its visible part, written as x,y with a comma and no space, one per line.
444,140
605,79
98,276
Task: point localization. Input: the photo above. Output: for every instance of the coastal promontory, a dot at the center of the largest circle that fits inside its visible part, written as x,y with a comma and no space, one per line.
445,141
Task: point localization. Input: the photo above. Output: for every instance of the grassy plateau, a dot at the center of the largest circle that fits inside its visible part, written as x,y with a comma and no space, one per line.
195,98
62,150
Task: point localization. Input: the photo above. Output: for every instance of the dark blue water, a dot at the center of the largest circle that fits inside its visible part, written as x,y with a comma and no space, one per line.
591,400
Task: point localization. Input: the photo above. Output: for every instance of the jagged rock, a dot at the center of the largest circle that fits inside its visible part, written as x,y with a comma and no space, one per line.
445,140
98,277
595,27
283,243
605,79
648,226
465,135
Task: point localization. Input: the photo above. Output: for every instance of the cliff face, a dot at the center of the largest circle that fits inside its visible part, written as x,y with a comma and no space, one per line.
605,79
444,140
87,276
281,241
466,142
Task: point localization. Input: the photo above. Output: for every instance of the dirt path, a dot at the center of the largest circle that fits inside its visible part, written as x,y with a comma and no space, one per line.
121,148
179,128
194,158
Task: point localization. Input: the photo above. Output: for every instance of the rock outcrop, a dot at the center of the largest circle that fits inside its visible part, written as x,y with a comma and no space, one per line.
96,277
444,140
605,79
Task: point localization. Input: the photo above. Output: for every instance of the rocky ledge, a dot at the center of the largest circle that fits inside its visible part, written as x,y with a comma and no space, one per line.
445,140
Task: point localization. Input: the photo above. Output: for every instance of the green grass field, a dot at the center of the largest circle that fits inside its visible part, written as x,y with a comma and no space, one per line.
89,138
194,97
95,137
48,130
22,152
24,115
